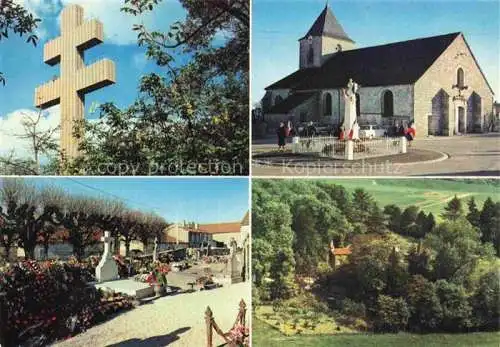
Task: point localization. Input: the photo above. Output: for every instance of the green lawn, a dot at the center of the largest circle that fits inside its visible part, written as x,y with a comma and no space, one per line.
430,195
264,335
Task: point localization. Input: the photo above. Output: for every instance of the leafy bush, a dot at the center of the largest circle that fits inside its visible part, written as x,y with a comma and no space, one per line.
353,308
52,300
455,305
392,314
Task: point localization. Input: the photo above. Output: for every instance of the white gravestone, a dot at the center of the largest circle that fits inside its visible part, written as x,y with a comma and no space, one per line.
107,270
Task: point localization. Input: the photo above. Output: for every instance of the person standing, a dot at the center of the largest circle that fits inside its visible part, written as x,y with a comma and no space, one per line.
281,132
410,134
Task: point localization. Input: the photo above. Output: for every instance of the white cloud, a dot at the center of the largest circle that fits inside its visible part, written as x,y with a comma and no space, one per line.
117,24
11,127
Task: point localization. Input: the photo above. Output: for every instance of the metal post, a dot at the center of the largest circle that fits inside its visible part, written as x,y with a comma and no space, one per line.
208,321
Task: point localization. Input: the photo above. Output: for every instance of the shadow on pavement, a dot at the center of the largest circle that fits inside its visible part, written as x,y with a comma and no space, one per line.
154,341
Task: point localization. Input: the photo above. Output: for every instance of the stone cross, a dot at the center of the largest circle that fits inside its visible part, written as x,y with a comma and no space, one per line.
155,250
107,239
106,270
76,78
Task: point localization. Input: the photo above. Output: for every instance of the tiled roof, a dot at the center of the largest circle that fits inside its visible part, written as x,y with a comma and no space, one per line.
391,64
291,102
292,80
342,251
221,228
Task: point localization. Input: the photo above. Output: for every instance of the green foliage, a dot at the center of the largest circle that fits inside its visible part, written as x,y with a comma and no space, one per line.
392,314
409,221
15,19
425,308
486,301
393,213
490,223
457,246
455,306
281,273
453,210
419,261
474,215
352,308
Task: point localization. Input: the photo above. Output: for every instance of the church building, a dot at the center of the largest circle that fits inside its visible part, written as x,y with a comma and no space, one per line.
434,81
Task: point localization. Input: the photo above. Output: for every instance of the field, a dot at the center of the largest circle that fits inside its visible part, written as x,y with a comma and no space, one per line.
265,336
431,195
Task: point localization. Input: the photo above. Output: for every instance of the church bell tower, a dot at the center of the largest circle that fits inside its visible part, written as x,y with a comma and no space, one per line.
325,38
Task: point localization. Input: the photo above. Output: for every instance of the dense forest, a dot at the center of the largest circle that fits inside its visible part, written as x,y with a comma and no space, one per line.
408,270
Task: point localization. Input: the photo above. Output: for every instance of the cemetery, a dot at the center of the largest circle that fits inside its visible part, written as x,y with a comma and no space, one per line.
72,263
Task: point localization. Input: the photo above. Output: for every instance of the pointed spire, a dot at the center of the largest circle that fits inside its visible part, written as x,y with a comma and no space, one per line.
327,25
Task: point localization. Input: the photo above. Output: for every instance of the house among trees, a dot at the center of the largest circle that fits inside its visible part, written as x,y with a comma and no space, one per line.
338,256
435,81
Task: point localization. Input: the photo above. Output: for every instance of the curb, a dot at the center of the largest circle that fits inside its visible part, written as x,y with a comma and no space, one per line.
443,157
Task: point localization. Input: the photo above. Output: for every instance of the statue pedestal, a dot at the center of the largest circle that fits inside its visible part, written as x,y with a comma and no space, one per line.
402,148
349,150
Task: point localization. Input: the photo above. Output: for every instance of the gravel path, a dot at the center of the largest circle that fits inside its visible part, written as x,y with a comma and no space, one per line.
169,321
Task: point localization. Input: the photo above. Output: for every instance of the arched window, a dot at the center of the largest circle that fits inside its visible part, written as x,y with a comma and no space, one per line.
278,99
460,78
387,104
327,104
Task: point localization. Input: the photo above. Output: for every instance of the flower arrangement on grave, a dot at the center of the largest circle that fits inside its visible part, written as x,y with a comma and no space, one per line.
158,275
239,336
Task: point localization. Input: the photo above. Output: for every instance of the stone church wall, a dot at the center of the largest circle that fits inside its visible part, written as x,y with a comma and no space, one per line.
279,92
442,75
371,100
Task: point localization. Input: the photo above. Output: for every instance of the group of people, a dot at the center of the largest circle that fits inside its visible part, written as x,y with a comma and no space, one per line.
408,131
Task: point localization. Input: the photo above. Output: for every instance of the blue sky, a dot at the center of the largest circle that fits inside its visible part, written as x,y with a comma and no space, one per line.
202,200
278,24
23,66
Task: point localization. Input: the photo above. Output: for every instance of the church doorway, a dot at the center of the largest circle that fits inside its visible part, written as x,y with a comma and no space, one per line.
461,120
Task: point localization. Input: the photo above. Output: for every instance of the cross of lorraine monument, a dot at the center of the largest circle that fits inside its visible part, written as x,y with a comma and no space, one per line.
76,78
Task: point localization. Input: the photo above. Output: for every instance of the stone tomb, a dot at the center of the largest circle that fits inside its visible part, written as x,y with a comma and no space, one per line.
108,278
